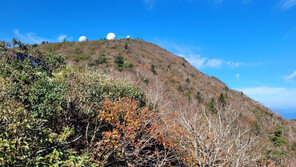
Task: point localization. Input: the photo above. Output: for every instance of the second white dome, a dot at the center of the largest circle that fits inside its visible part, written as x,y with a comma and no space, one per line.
82,38
111,36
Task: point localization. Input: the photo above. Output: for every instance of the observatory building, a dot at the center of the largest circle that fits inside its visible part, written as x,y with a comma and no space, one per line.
82,38
128,37
111,36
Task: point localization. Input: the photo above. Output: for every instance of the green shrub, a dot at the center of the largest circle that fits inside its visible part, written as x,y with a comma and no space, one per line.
119,61
277,138
293,146
126,46
211,106
188,80
80,57
100,60
180,89
77,50
120,65
48,111
189,96
257,128
45,98
198,97
222,100
226,88
128,65
146,81
153,69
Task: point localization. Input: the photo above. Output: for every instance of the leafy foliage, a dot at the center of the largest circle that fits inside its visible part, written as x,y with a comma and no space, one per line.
153,69
127,131
100,60
211,106
121,65
52,114
198,97
31,102
277,138
222,100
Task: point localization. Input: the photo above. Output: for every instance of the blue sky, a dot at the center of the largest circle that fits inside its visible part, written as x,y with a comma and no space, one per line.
248,44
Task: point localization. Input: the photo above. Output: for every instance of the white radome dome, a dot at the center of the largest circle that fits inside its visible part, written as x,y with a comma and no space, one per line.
82,38
128,37
111,36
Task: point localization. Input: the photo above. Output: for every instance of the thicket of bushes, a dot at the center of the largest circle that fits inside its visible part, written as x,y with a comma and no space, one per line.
52,114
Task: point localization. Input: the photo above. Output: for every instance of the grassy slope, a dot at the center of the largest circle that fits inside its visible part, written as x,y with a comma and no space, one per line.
174,83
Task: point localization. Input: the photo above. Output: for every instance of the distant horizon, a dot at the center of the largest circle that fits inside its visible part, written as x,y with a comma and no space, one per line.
288,114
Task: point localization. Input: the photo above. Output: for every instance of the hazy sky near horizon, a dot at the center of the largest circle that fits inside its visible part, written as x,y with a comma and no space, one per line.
248,44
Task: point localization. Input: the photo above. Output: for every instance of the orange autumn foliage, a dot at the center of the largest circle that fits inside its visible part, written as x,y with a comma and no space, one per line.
128,128
134,135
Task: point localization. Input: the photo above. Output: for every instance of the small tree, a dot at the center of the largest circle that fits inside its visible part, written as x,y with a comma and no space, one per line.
126,46
119,61
188,80
226,89
198,97
152,68
222,100
212,106
277,138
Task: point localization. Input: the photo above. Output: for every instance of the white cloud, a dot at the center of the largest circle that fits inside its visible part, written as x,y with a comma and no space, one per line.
202,62
61,37
237,76
150,3
234,64
287,4
33,38
272,97
190,53
214,63
195,60
29,37
293,75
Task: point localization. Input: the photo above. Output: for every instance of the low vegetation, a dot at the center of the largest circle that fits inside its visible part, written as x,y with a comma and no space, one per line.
60,110
121,65
52,114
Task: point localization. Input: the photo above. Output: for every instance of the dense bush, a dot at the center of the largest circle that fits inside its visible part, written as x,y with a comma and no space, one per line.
100,60
121,65
222,100
198,97
211,106
32,101
153,69
127,139
277,137
54,115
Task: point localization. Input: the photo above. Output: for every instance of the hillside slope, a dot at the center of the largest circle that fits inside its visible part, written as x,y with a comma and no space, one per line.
175,86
